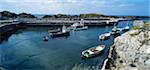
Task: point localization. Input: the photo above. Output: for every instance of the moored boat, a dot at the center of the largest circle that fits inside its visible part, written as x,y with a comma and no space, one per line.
78,26
45,38
115,30
64,32
92,51
54,30
59,34
104,36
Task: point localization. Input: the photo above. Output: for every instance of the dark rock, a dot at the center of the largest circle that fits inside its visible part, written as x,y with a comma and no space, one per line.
132,65
7,15
25,15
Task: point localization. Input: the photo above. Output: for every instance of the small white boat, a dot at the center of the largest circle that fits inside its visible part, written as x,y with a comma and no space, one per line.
78,26
116,30
45,38
104,36
92,51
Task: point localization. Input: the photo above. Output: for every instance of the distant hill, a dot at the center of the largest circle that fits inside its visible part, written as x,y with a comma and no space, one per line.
7,15
25,15
10,15
74,16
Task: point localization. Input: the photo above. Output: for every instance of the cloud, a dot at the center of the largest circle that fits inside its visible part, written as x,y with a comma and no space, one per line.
32,1
125,5
75,6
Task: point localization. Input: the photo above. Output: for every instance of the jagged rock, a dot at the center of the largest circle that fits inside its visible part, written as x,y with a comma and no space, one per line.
132,51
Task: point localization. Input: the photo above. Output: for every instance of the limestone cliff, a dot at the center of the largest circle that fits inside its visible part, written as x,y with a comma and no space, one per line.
131,51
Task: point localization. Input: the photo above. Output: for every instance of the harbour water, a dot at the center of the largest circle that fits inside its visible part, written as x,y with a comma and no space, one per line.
26,50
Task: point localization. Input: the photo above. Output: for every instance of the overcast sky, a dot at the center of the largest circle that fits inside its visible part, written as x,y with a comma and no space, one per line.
108,7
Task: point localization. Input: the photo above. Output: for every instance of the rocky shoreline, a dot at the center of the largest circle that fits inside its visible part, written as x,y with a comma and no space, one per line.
131,51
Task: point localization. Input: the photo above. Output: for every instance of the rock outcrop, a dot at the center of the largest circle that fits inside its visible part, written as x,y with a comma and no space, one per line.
7,15
131,51
26,15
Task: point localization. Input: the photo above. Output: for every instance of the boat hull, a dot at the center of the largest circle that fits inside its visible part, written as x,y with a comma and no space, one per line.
104,37
92,56
60,34
92,52
115,32
78,29
54,31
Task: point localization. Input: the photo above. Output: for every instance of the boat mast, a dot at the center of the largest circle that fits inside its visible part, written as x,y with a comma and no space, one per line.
81,22
64,28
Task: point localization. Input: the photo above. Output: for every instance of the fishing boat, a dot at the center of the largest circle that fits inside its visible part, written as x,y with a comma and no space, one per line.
78,26
104,36
54,30
64,32
92,51
45,38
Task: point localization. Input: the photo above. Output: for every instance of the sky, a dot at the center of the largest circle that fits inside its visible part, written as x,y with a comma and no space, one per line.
107,7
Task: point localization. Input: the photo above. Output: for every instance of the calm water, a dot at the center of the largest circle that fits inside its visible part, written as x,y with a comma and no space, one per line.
26,50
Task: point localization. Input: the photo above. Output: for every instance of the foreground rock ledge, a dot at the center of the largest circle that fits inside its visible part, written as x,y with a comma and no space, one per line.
131,51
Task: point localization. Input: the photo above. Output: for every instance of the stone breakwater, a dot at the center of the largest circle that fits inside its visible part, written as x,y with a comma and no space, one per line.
131,51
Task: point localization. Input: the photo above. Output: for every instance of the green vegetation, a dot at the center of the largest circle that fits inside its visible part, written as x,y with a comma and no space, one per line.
60,16
136,28
134,34
25,15
73,16
130,17
47,16
91,15
7,14
147,25
144,26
